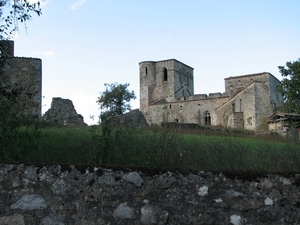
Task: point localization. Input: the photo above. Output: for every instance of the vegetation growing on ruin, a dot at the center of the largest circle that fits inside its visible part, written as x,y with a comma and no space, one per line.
155,147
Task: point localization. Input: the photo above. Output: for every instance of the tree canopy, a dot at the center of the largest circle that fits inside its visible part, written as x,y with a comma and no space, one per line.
14,11
290,86
115,99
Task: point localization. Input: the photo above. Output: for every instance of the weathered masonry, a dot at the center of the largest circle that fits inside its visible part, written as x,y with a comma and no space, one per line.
167,95
23,74
64,195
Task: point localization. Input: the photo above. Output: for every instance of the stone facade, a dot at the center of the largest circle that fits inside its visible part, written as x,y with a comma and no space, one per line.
167,95
68,195
62,112
25,74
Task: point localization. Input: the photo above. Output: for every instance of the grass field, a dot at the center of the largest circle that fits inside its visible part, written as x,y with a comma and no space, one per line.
159,148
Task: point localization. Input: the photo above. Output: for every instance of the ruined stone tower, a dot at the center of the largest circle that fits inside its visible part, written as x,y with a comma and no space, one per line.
167,80
23,74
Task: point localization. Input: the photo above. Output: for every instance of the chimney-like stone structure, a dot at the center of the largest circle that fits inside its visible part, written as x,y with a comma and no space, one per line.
7,48
24,75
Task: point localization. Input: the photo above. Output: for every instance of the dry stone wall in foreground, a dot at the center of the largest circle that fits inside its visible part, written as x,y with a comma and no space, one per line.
56,195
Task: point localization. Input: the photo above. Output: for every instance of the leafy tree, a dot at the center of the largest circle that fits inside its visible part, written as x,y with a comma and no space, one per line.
290,86
115,99
14,11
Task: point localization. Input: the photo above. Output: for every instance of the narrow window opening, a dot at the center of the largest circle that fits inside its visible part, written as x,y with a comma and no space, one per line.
146,70
207,118
240,105
165,74
170,106
233,107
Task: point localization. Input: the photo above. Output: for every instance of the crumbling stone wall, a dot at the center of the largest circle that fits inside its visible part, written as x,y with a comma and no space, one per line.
90,195
62,111
133,118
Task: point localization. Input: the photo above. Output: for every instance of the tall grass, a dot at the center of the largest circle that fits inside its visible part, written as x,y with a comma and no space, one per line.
160,148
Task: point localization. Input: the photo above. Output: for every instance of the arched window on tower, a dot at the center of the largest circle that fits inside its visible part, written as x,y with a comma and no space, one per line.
207,118
165,74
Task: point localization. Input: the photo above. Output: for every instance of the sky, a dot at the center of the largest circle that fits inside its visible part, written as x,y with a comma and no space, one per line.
84,44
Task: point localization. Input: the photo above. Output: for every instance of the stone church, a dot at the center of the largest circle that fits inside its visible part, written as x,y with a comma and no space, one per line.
167,95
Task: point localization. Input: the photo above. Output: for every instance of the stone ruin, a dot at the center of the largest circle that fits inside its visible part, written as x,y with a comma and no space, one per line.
167,95
62,111
134,118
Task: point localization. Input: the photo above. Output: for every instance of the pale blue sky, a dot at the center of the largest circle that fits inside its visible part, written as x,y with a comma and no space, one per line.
84,44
